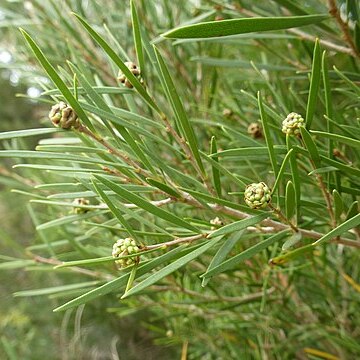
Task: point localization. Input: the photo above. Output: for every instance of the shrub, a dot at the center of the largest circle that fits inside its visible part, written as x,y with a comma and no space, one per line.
157,142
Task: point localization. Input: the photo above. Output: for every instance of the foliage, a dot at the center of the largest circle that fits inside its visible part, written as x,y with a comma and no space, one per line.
166,160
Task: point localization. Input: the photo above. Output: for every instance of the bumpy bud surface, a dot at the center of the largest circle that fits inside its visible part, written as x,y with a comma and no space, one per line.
64,116
124,247
254,129
80,210
134,69
257,195
292,124
217,222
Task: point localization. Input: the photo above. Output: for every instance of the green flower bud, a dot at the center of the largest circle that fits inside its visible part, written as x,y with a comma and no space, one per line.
292,124
77,209
124,247
64,116
134,69
257,195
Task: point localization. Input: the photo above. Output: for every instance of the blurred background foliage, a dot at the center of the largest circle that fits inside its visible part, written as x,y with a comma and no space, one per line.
314,314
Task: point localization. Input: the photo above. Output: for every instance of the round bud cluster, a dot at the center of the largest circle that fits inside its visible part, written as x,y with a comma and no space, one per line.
292,124
254,130
63,116
81,202
217,222
124,247
135,71
257,195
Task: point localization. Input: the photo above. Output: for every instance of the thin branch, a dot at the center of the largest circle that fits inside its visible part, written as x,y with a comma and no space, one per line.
325,43
282,217
176,241
276,226
83,129
334,11
157,203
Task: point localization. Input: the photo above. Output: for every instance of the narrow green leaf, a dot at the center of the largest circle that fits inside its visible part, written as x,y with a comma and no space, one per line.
253,151
282,259
97,89
146,205
346,226
311,147
242,26
323,170
338,204
118,283
328,99
268,138
166,188
223,169
100,260
343,139
137,37
66,220
314,84
239,225
282,170
207,197
352,84
353,210
338,231
290,200
167,270
116,59
57,80
291,241
16,264
179,109
29,132
247,254
100,103
221,254
58,156
215,171
115,210
55,289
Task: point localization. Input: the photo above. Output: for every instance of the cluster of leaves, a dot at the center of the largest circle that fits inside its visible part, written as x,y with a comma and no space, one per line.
166,163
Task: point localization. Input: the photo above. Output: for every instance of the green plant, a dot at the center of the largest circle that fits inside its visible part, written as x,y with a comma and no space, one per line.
158,156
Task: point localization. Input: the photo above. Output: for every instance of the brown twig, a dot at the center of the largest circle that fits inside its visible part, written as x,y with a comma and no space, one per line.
125,158
176,241
334,12
278,226
282,217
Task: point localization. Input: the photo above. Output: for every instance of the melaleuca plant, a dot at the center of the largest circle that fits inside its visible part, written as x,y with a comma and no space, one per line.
185,181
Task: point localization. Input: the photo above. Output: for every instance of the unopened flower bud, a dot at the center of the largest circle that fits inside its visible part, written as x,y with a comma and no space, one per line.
257,195
254,130
217,222
124,247
292,124
135,71
79,209
62,115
